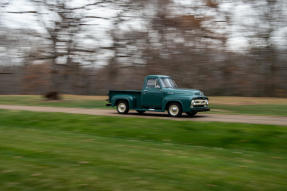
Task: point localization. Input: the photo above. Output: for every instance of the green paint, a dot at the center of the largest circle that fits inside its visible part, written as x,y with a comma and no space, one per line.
159,95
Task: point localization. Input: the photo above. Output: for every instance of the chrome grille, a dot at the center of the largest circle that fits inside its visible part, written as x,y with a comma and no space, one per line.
199,103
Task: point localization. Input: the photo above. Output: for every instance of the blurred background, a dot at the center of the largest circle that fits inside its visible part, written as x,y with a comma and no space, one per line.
222,47
235,51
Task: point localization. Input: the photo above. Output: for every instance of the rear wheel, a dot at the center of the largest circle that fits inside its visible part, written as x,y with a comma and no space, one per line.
140,111
122,107
191,114
174,110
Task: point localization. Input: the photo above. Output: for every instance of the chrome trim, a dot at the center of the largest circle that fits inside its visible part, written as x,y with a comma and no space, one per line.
203,102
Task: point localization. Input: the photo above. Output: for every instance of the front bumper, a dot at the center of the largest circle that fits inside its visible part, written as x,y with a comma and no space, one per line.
199,104
199,109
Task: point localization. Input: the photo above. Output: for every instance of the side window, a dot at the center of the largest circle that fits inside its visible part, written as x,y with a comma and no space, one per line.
157,84
151,83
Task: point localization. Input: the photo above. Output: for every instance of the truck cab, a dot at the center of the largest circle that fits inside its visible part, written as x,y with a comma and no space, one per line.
159,93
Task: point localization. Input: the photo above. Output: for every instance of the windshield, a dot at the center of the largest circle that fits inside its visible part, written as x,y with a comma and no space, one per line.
168,83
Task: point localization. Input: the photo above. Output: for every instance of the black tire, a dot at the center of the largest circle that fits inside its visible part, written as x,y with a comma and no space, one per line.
140,111
174,110
191,114
122,107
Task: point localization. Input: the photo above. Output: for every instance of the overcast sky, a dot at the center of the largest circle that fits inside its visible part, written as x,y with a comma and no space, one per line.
242,15
245,21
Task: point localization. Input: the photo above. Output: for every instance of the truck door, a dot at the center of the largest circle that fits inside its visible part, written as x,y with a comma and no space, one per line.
152,94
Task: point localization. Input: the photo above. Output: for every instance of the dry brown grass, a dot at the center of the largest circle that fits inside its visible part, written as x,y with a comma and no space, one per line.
84,97
226,100
65,97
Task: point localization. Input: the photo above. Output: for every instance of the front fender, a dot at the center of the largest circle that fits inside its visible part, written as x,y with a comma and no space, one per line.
130,99
183,100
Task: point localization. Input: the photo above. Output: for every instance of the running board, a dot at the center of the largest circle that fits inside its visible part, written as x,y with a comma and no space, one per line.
157,110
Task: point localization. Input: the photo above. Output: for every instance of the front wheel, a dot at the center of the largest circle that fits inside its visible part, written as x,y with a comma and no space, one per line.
174,110
123,107
191,114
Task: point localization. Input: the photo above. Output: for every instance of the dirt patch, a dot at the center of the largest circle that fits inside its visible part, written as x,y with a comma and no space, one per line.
220,110
200,117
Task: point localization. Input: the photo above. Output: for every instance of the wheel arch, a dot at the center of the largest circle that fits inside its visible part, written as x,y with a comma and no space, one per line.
167,103
127,98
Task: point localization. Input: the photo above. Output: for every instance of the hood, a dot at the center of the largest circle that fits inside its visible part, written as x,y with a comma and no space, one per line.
188,92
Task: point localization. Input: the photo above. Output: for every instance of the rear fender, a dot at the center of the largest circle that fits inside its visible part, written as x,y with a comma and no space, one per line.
130,99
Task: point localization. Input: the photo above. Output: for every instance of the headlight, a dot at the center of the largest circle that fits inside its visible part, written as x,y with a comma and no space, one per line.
192,103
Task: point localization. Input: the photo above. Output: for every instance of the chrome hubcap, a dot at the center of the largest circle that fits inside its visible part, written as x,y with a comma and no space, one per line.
122,107
173,110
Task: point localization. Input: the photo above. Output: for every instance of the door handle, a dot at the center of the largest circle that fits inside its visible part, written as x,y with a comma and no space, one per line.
145,91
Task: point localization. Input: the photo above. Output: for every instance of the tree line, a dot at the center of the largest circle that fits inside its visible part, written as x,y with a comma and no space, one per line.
80,49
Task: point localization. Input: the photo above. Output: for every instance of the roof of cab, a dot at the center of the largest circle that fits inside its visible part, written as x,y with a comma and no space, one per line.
157,76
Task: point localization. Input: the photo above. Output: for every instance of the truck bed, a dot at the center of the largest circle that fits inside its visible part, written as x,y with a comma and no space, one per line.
125,91
135,93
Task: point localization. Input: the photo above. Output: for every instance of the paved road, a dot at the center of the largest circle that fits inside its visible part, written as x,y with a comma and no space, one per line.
199,117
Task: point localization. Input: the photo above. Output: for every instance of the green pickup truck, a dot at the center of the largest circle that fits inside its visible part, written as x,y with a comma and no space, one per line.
159,93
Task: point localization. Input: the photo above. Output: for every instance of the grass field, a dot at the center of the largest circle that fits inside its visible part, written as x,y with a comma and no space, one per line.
53,151
225,105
